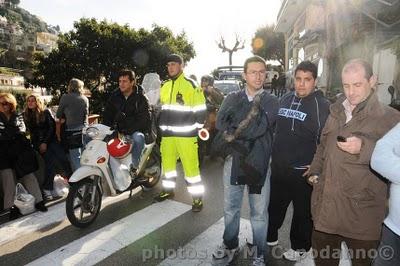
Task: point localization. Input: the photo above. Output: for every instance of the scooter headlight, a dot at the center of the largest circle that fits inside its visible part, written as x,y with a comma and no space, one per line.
92,132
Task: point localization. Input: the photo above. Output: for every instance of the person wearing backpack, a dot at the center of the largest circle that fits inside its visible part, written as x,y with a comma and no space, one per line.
73,110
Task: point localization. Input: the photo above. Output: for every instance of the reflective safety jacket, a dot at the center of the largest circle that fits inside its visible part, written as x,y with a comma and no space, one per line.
183,108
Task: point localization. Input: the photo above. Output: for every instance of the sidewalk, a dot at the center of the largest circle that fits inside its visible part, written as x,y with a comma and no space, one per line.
35,221
4,215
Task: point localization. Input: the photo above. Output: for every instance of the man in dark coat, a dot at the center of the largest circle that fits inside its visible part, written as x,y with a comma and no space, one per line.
246,120
348,201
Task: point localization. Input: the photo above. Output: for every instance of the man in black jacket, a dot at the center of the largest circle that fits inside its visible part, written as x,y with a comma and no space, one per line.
302,115
128,109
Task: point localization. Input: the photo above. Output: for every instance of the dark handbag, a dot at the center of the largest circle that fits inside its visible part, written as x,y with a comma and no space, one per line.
74,139
219,146
23,156
26,163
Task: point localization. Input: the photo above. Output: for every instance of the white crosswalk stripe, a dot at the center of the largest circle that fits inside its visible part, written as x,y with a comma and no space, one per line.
199,250
105,242
38,220
100,244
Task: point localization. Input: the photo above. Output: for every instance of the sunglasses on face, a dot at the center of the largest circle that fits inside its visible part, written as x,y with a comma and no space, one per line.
5,103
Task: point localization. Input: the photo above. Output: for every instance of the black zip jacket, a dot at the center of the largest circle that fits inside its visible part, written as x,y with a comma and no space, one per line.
299,125
11,131
42,131
135,108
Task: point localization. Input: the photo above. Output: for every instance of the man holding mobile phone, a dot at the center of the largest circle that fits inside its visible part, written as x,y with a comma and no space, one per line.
348,199
302,115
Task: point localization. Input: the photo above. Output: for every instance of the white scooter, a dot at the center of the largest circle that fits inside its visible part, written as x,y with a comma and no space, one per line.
101,174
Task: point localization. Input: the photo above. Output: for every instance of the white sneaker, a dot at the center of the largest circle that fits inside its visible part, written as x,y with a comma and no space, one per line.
273,243
259,261
294,255
223,253
47,194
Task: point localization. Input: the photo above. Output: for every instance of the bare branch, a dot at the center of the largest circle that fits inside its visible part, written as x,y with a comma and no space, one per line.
241,47
239,44
222,45
236,45
238,39
223,42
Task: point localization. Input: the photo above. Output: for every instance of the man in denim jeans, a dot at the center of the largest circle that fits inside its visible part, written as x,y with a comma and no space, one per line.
128,109
246,120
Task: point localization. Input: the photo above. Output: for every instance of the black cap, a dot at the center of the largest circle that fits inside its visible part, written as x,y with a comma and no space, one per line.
175,58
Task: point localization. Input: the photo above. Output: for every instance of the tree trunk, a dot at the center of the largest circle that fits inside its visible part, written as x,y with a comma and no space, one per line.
230,59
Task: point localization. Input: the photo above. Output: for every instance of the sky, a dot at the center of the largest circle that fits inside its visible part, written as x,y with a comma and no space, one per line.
204,21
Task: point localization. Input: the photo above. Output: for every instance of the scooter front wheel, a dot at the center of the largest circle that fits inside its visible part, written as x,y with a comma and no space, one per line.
82,209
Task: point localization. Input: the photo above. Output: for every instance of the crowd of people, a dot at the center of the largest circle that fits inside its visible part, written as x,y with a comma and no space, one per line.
320,162
34,135
298,149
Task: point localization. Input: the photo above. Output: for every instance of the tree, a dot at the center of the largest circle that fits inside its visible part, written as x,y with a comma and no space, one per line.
239,44
95,51
12,3
15,2
269,44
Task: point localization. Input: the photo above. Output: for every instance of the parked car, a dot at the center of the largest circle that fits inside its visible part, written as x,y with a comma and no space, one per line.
227,86
230,73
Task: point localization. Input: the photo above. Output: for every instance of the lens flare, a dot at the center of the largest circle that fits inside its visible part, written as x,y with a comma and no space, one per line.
258,43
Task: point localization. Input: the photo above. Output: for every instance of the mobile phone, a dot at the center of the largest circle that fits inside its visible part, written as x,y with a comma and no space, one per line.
341,139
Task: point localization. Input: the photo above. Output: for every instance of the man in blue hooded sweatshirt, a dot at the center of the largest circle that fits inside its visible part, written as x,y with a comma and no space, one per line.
302,115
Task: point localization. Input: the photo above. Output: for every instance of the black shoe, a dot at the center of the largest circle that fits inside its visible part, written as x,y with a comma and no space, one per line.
133,171
139,179
164,195
14,213
41,207
197,205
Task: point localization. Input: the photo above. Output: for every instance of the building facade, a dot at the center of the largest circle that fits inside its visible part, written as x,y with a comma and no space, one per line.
330,32
10,82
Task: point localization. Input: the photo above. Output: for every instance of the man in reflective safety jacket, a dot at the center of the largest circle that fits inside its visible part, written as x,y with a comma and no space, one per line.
183,111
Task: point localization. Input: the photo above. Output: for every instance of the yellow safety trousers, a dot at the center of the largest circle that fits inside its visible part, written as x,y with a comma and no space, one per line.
185,148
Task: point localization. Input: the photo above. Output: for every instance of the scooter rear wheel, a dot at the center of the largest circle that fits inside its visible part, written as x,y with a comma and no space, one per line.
81,211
